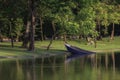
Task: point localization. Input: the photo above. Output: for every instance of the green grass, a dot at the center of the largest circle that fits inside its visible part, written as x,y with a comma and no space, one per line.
57,47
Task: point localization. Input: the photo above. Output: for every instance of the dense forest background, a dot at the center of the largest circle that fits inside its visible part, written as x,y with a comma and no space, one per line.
30,20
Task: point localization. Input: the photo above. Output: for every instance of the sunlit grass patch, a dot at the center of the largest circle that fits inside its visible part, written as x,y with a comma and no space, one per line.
57,47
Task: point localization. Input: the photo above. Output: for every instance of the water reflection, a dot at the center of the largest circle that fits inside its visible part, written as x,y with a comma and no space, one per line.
104,66
74,56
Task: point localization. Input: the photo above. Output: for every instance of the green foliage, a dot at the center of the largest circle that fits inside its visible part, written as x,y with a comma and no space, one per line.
11,17
114,14
43,10
64,17
74,17
4,27
87,21
18,27
72,28
106,14
99,11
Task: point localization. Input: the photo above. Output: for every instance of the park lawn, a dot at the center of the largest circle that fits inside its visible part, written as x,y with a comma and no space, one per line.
57,47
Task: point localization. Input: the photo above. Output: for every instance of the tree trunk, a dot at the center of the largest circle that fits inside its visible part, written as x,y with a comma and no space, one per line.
65,40
53,26
41,28
32,27
112,33
100,36
11,36
95,42
55,33
54,29
26,35
48,47
1,39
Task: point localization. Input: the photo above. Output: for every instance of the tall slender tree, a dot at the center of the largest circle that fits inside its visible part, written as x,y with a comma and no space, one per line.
11,12
43,11
32,27
27,24
113,18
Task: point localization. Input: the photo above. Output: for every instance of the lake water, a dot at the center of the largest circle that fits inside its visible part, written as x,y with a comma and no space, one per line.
104,66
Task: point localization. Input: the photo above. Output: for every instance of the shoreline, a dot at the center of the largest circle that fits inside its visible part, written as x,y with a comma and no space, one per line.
49,54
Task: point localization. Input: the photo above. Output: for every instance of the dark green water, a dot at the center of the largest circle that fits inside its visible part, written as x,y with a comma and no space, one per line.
105,66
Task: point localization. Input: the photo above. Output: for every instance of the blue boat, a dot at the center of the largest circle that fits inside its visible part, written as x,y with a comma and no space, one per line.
76,50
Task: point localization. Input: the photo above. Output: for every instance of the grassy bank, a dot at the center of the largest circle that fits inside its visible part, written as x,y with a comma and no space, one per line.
57,47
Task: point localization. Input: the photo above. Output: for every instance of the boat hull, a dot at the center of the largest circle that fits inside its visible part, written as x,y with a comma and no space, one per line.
76,50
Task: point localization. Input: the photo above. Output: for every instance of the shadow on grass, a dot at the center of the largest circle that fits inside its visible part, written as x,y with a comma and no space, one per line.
12,50
6,45
51,51
22,51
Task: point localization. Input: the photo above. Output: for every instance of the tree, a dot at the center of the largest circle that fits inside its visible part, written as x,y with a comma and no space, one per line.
104,21
86,19
65,16
26,18
113,18
43,11
32,27
98,8
11,13
62,14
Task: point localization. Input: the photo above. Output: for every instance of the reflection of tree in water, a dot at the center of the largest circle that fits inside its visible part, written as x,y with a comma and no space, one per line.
106,61
28,70
99,66
54,69
33,70
50,68
19,71
41,69
107,65
93,67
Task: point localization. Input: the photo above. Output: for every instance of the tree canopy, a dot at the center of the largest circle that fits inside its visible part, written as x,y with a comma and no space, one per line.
41,19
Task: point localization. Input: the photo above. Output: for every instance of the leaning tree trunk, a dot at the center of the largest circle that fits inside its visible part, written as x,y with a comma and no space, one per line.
112,33
53,25
32,27
48,47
